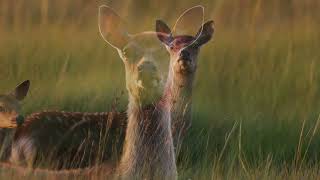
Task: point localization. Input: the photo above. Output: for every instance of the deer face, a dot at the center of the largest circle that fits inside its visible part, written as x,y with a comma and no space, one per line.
139,56
10,106
183,49
138,53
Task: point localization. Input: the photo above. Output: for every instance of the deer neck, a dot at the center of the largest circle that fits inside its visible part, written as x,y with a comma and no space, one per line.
148,150
180,86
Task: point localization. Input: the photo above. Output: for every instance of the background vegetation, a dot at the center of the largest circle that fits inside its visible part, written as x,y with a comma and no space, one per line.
256,98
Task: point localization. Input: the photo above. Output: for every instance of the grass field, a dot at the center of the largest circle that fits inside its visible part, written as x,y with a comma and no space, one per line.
257,91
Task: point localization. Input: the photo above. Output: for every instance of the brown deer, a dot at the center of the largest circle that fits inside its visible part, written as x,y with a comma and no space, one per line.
183,50
148,148
10,116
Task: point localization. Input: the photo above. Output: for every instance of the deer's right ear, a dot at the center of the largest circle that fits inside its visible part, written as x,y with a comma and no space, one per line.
163,32
21,90
205,33
112,27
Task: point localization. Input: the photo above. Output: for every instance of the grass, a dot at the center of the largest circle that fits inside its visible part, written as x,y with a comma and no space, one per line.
256,96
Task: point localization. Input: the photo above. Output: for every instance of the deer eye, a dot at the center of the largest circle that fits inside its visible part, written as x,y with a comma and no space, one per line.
131,53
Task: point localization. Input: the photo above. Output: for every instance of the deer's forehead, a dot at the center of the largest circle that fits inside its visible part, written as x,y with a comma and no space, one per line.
182,40
145,42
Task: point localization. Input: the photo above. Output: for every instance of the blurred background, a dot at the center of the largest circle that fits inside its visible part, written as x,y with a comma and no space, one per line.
260,73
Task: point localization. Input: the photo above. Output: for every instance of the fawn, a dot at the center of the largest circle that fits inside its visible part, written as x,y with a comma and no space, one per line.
10,116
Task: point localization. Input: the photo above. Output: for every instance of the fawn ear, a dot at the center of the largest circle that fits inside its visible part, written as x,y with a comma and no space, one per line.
205,33
112,27
21,90
163,32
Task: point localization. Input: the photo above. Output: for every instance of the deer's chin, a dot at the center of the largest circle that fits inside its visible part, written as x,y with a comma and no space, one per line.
184,69
149,90
150,84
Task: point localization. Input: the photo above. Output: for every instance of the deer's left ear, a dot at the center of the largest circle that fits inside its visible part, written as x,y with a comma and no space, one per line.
21,90
112,28
163,32
205,33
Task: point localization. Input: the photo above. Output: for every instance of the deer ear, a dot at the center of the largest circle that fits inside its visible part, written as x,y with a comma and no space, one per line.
21,90
205,33
163,32
112,27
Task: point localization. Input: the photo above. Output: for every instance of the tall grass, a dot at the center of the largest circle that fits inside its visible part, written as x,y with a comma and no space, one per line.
259,73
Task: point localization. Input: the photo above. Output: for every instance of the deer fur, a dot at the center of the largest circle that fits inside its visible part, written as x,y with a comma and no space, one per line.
148,151
66,139
10,116
183,50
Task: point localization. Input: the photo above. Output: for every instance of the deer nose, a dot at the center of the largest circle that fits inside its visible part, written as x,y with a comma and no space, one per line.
185,55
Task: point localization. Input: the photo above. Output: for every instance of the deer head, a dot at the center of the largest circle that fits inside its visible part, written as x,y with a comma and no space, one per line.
10,106
138,53
183,49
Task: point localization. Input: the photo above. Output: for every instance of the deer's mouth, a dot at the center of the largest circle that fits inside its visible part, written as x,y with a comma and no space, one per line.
149,90
147,85
184,66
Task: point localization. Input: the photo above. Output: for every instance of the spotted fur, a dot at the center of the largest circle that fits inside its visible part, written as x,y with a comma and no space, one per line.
67,139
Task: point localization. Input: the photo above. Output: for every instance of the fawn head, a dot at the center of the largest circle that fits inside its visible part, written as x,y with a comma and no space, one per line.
10,106
183,49
138,52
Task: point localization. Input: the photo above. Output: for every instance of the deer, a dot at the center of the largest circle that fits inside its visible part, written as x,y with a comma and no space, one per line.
10,115
148,151
183,50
